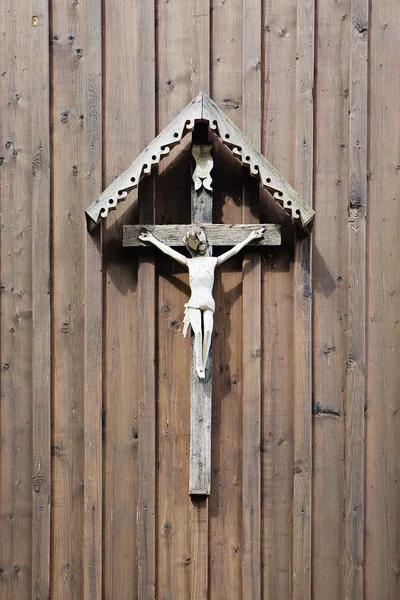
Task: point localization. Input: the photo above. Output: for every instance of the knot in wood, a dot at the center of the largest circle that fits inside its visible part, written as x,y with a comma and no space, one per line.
167,529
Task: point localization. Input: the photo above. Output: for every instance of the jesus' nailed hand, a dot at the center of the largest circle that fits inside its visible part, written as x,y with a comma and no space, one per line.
199,310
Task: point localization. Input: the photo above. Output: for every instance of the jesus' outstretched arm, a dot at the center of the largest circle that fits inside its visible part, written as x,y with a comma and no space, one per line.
254,235
146,236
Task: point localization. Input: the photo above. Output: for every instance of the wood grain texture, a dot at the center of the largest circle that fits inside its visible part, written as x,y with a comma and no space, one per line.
330,282
199,549
201,208
16,303
279,126
173,502
53,376
252,301
128,560
225,503
382,443
41,307
201,47
147,332
146,518
74,87
93,337
173,185
302,376
217,235
199,507
251,453
357,265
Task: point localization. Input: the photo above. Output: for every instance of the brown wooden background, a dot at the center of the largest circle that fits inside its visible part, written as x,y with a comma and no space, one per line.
306,446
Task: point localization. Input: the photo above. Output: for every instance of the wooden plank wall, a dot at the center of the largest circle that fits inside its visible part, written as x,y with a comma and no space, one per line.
94,413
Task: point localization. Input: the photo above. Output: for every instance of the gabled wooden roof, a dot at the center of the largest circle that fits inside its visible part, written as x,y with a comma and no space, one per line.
202,108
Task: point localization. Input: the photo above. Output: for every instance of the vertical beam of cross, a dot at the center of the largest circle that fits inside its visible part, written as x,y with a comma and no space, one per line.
200,389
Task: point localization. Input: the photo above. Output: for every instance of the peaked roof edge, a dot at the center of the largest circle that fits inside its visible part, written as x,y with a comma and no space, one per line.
202,108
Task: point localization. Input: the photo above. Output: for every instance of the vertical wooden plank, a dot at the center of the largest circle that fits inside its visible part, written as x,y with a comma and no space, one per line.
129,534
252,344
93,538
200,73
357,257
93,351
383,444
199,549
330,262
225,503
174,62
251,499
41,308
147,329
76,175
279,126
302,400
173,502
147,429
16,303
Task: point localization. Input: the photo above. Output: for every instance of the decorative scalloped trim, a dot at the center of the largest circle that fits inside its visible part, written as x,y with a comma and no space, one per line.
202,108
258,165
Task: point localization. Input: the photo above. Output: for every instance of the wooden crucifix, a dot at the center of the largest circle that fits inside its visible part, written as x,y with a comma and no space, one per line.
199,238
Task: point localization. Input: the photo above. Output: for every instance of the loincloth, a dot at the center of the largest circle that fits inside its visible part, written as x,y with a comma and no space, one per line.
209,305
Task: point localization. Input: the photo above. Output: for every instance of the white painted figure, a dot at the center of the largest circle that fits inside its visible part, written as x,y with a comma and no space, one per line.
199,310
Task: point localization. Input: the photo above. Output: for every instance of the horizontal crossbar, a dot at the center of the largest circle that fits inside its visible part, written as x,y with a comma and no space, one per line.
217,235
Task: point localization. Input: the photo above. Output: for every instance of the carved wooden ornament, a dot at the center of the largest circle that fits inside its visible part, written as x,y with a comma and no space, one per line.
199,310
202,109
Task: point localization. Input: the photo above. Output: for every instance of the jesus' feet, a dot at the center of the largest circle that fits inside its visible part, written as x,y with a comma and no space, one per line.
200,372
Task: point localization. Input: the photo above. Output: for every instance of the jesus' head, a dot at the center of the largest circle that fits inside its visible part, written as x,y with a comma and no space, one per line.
196,242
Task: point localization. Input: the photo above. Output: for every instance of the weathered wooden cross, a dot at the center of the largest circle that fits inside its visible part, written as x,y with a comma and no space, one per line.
200,307
202,113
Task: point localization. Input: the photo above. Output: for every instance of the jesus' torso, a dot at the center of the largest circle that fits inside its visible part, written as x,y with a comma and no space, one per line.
201,278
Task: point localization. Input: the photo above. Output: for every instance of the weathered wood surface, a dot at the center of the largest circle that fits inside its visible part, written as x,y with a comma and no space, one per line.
217,235
330,303
278,329
75,111
199,548
19,295
252,315
93,323
225,503
382,499
200,430
41,305
259,166
353,575
202,108
302,276
200,80
146,533
147,335
201,206
142,166
203,166
173,407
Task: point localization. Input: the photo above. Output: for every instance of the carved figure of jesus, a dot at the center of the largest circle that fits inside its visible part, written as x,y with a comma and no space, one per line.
199,310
